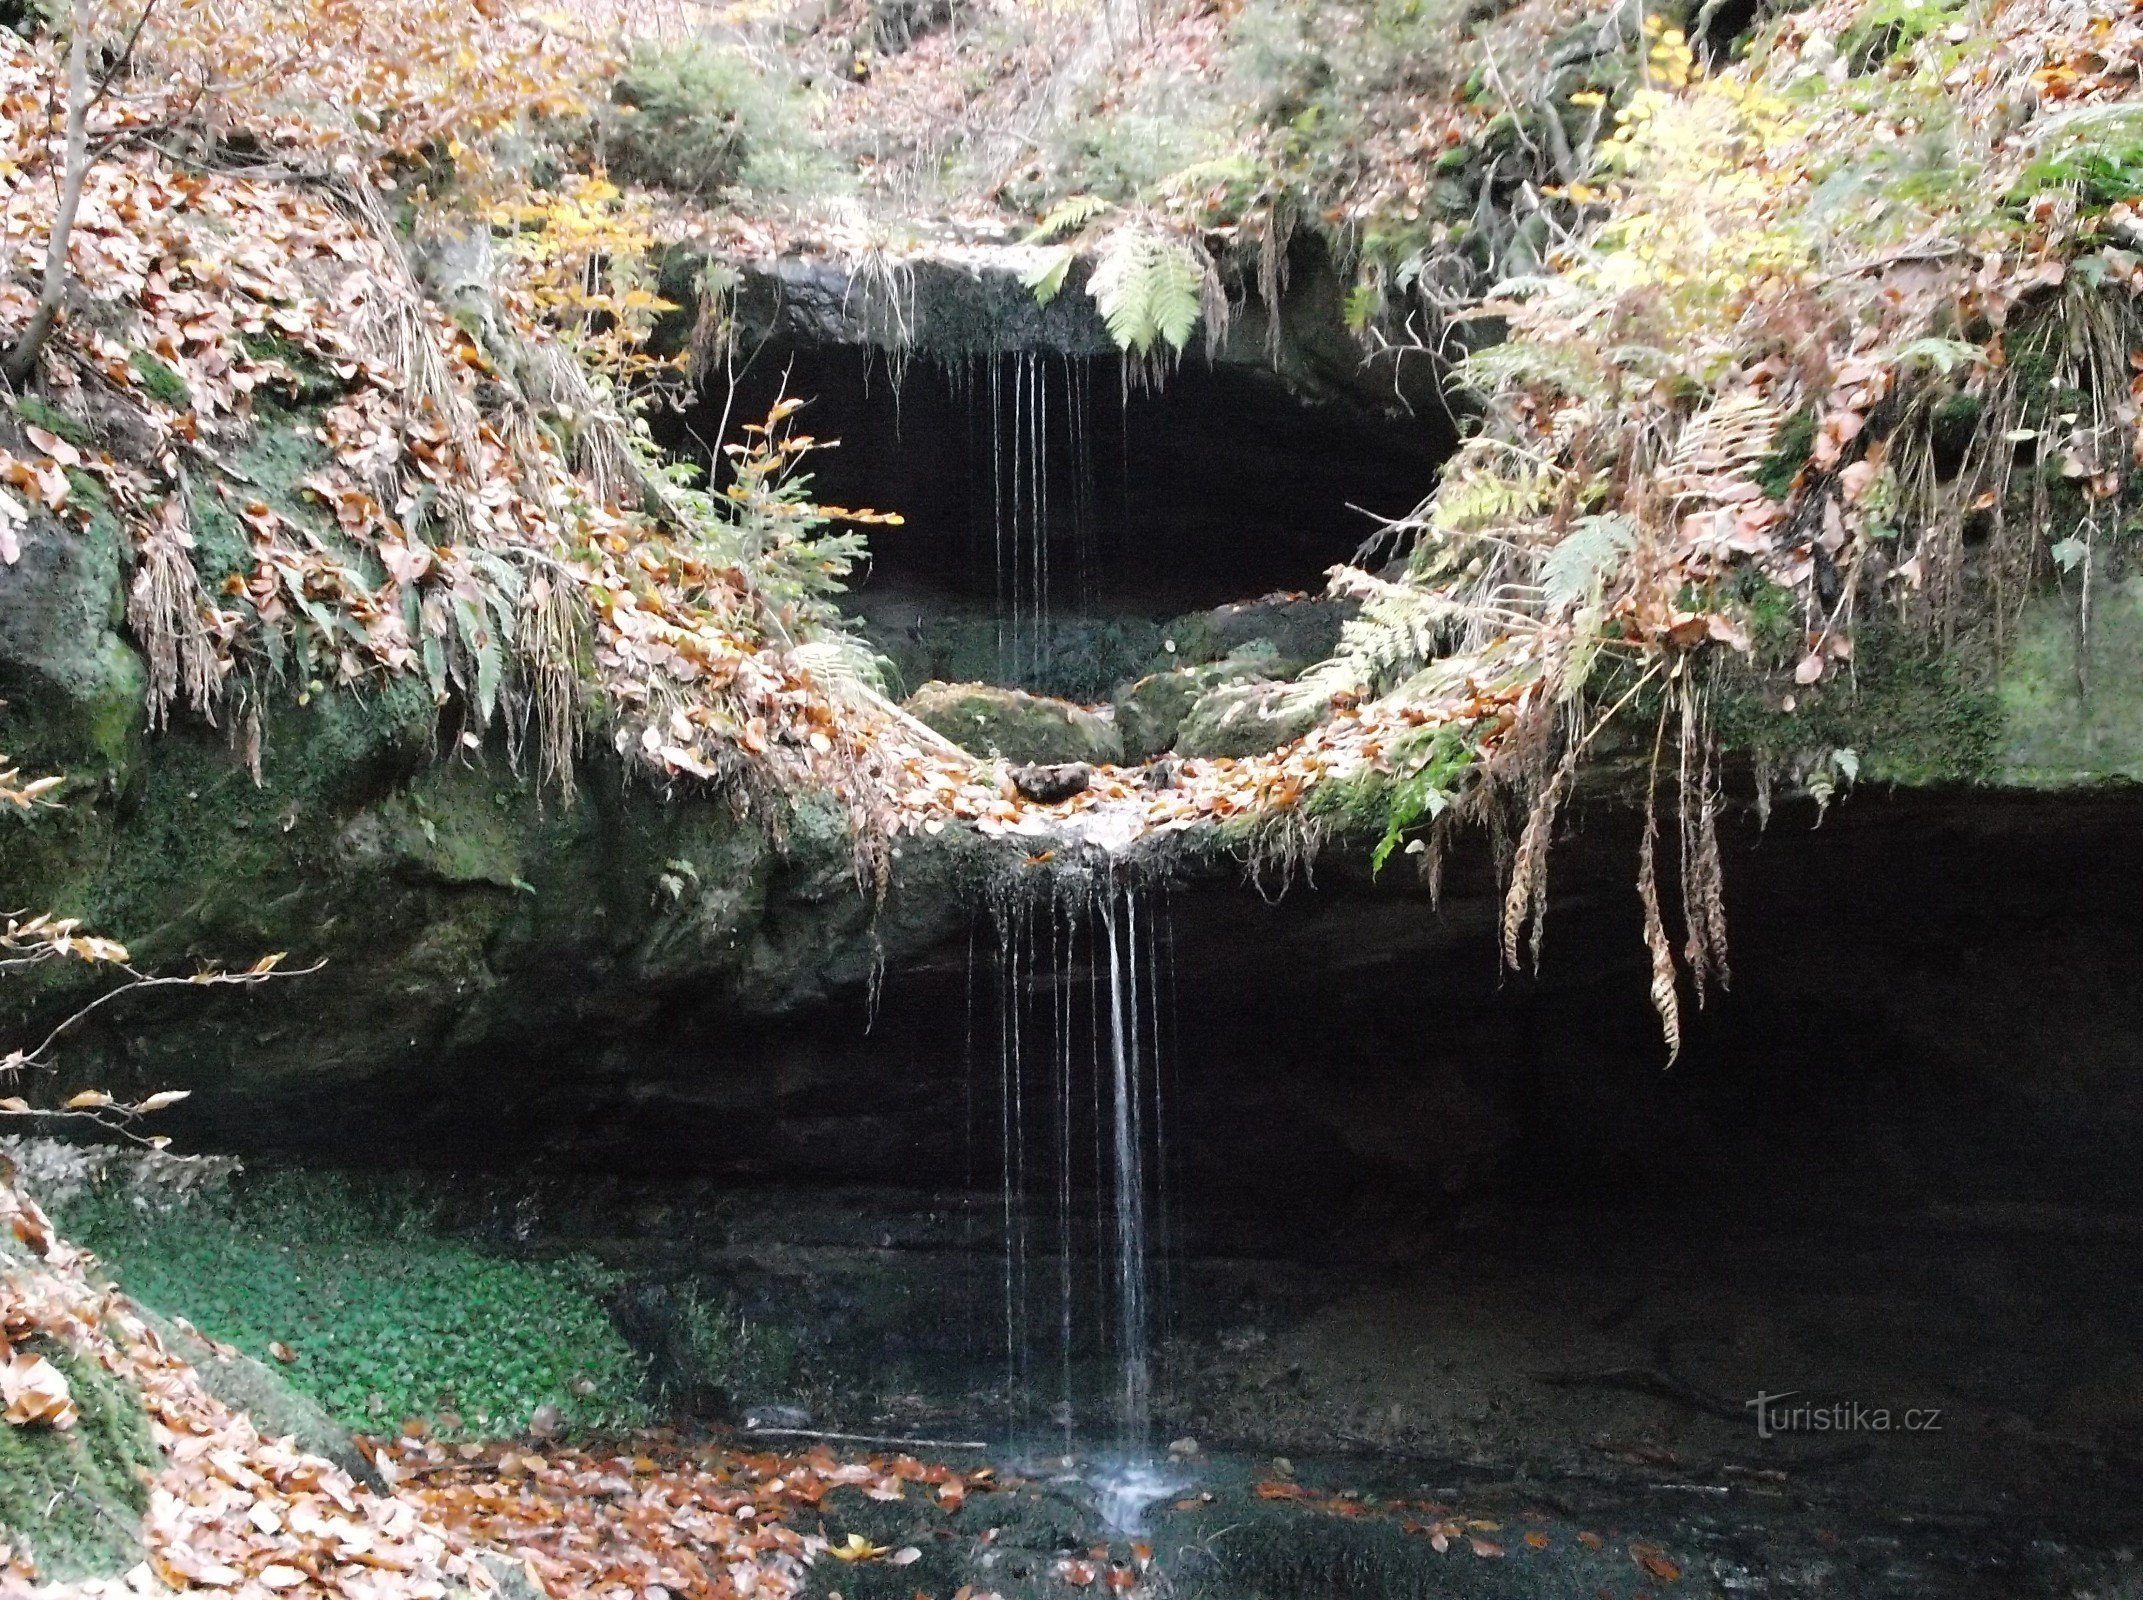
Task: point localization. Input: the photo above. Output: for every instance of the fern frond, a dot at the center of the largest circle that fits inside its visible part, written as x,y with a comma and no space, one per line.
1520,363
1149,288
1068,216
842,658
1491,486
1585,553
1045,277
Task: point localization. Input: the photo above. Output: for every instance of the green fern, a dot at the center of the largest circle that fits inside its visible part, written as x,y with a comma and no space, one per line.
1149,288
1588,550
1046,276
1364,301
1488,488
1068,216
1521,363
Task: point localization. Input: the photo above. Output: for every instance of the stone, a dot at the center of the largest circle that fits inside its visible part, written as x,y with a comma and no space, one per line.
276,1408
1031,729
1150,712
2054,735
1248,719
1047,785
1298,629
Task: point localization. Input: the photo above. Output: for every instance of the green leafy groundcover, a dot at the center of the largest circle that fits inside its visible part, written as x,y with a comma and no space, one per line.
383,1316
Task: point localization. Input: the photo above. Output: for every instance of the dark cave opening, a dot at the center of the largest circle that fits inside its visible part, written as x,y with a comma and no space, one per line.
1046,499
1410,1201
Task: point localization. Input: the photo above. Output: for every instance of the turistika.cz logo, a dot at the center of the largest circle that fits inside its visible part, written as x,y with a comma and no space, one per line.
1774,1416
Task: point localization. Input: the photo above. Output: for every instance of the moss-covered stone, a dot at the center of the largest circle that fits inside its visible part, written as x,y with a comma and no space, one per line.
1150,712
2071,697
989,721
1247,719
1914,716
277,1410
72,1499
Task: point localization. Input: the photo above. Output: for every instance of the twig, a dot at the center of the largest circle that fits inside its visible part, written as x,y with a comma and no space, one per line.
866,1438
1643,1380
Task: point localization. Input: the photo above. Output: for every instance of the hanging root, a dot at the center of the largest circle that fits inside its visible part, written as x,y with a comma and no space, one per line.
1664,998
552,640
1525,901
164,608
1703,879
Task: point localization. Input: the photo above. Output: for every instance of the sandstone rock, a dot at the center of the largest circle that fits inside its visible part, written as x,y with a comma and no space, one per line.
1150,712
1298,629
1031,729
1248,719
1048,785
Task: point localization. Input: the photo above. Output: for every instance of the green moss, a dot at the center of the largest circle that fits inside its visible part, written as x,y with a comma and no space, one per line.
1885,27
161,380
38,414
988,721
2073,710
1955,419
1916,717
73,1500
307,380
1796,439
386,1315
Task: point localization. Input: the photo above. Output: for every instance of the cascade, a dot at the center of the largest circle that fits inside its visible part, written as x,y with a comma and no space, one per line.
1081,1162
1037,499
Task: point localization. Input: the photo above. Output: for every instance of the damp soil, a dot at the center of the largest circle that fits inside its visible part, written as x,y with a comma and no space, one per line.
1235,1527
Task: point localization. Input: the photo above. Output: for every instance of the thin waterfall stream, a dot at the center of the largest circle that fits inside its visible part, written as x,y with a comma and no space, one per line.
1079,1110
1032,502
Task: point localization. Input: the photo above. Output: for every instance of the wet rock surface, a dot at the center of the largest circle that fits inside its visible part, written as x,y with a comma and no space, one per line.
1031,729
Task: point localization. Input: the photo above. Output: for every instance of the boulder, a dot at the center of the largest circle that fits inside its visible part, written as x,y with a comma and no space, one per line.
1031,729
277,1409
1248,719
1150,712
1298,629
1049,785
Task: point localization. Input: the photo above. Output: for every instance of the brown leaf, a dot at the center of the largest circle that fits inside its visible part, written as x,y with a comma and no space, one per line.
1655,1563
35,1391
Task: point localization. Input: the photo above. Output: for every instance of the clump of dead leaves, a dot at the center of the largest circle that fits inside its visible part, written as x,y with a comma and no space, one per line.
230,1511
707,1523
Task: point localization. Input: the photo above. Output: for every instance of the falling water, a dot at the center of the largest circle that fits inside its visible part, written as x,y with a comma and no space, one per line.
1033,414
1085,1172
1134,1344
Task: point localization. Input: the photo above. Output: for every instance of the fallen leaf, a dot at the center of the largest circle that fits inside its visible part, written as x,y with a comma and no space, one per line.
1655,1563
35,1391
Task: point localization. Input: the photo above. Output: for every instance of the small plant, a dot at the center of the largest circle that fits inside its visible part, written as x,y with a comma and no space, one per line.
355,1294
700,118
727,1351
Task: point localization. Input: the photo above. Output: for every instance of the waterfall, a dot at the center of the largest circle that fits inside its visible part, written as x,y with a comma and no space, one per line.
1035,420
1134,1337
1081,1163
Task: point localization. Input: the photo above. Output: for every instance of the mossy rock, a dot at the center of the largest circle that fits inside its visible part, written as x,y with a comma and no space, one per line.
1028,728
1300,630
1247,719
1150,713
2072,697
277,1410
72,1499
